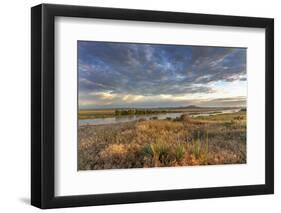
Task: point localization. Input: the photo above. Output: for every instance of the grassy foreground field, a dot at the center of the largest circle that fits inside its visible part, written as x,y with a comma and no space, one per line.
185,141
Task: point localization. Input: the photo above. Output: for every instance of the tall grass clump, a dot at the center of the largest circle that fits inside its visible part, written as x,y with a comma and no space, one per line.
200,148
160,151
197,146
179,152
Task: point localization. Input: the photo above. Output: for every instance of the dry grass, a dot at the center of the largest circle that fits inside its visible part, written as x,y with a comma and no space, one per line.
95,113
216,139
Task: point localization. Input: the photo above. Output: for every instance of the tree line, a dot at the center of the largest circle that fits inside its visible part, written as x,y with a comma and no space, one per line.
137,111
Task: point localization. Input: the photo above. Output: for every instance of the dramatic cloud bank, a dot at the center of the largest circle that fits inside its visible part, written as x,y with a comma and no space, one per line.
148,75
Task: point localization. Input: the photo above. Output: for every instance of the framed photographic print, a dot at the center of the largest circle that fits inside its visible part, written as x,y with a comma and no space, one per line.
139,106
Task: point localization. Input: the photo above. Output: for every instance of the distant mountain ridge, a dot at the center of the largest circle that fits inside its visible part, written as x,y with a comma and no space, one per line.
192,107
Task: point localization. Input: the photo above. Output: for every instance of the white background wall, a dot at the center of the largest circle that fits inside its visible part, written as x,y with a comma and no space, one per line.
15,105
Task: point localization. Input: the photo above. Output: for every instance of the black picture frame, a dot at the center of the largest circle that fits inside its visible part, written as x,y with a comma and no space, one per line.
43,102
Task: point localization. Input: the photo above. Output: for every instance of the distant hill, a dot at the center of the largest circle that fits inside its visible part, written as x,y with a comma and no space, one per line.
192,107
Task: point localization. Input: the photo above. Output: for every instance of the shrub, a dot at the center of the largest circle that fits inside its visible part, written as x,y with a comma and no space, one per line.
228,124
239,117
154,118
147,150
243,136
183,117
142,119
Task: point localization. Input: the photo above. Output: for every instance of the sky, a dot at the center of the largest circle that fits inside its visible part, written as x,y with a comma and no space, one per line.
113,75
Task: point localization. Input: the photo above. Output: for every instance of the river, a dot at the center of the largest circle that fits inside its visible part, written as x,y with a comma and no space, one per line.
160,116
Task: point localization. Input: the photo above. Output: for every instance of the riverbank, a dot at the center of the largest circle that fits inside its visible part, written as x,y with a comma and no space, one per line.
85,114
184,141
150,116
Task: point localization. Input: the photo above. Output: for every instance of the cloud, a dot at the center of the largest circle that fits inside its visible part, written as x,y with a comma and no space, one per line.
225,102
154,70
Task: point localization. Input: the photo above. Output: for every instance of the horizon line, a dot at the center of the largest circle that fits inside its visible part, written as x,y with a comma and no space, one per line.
176,107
